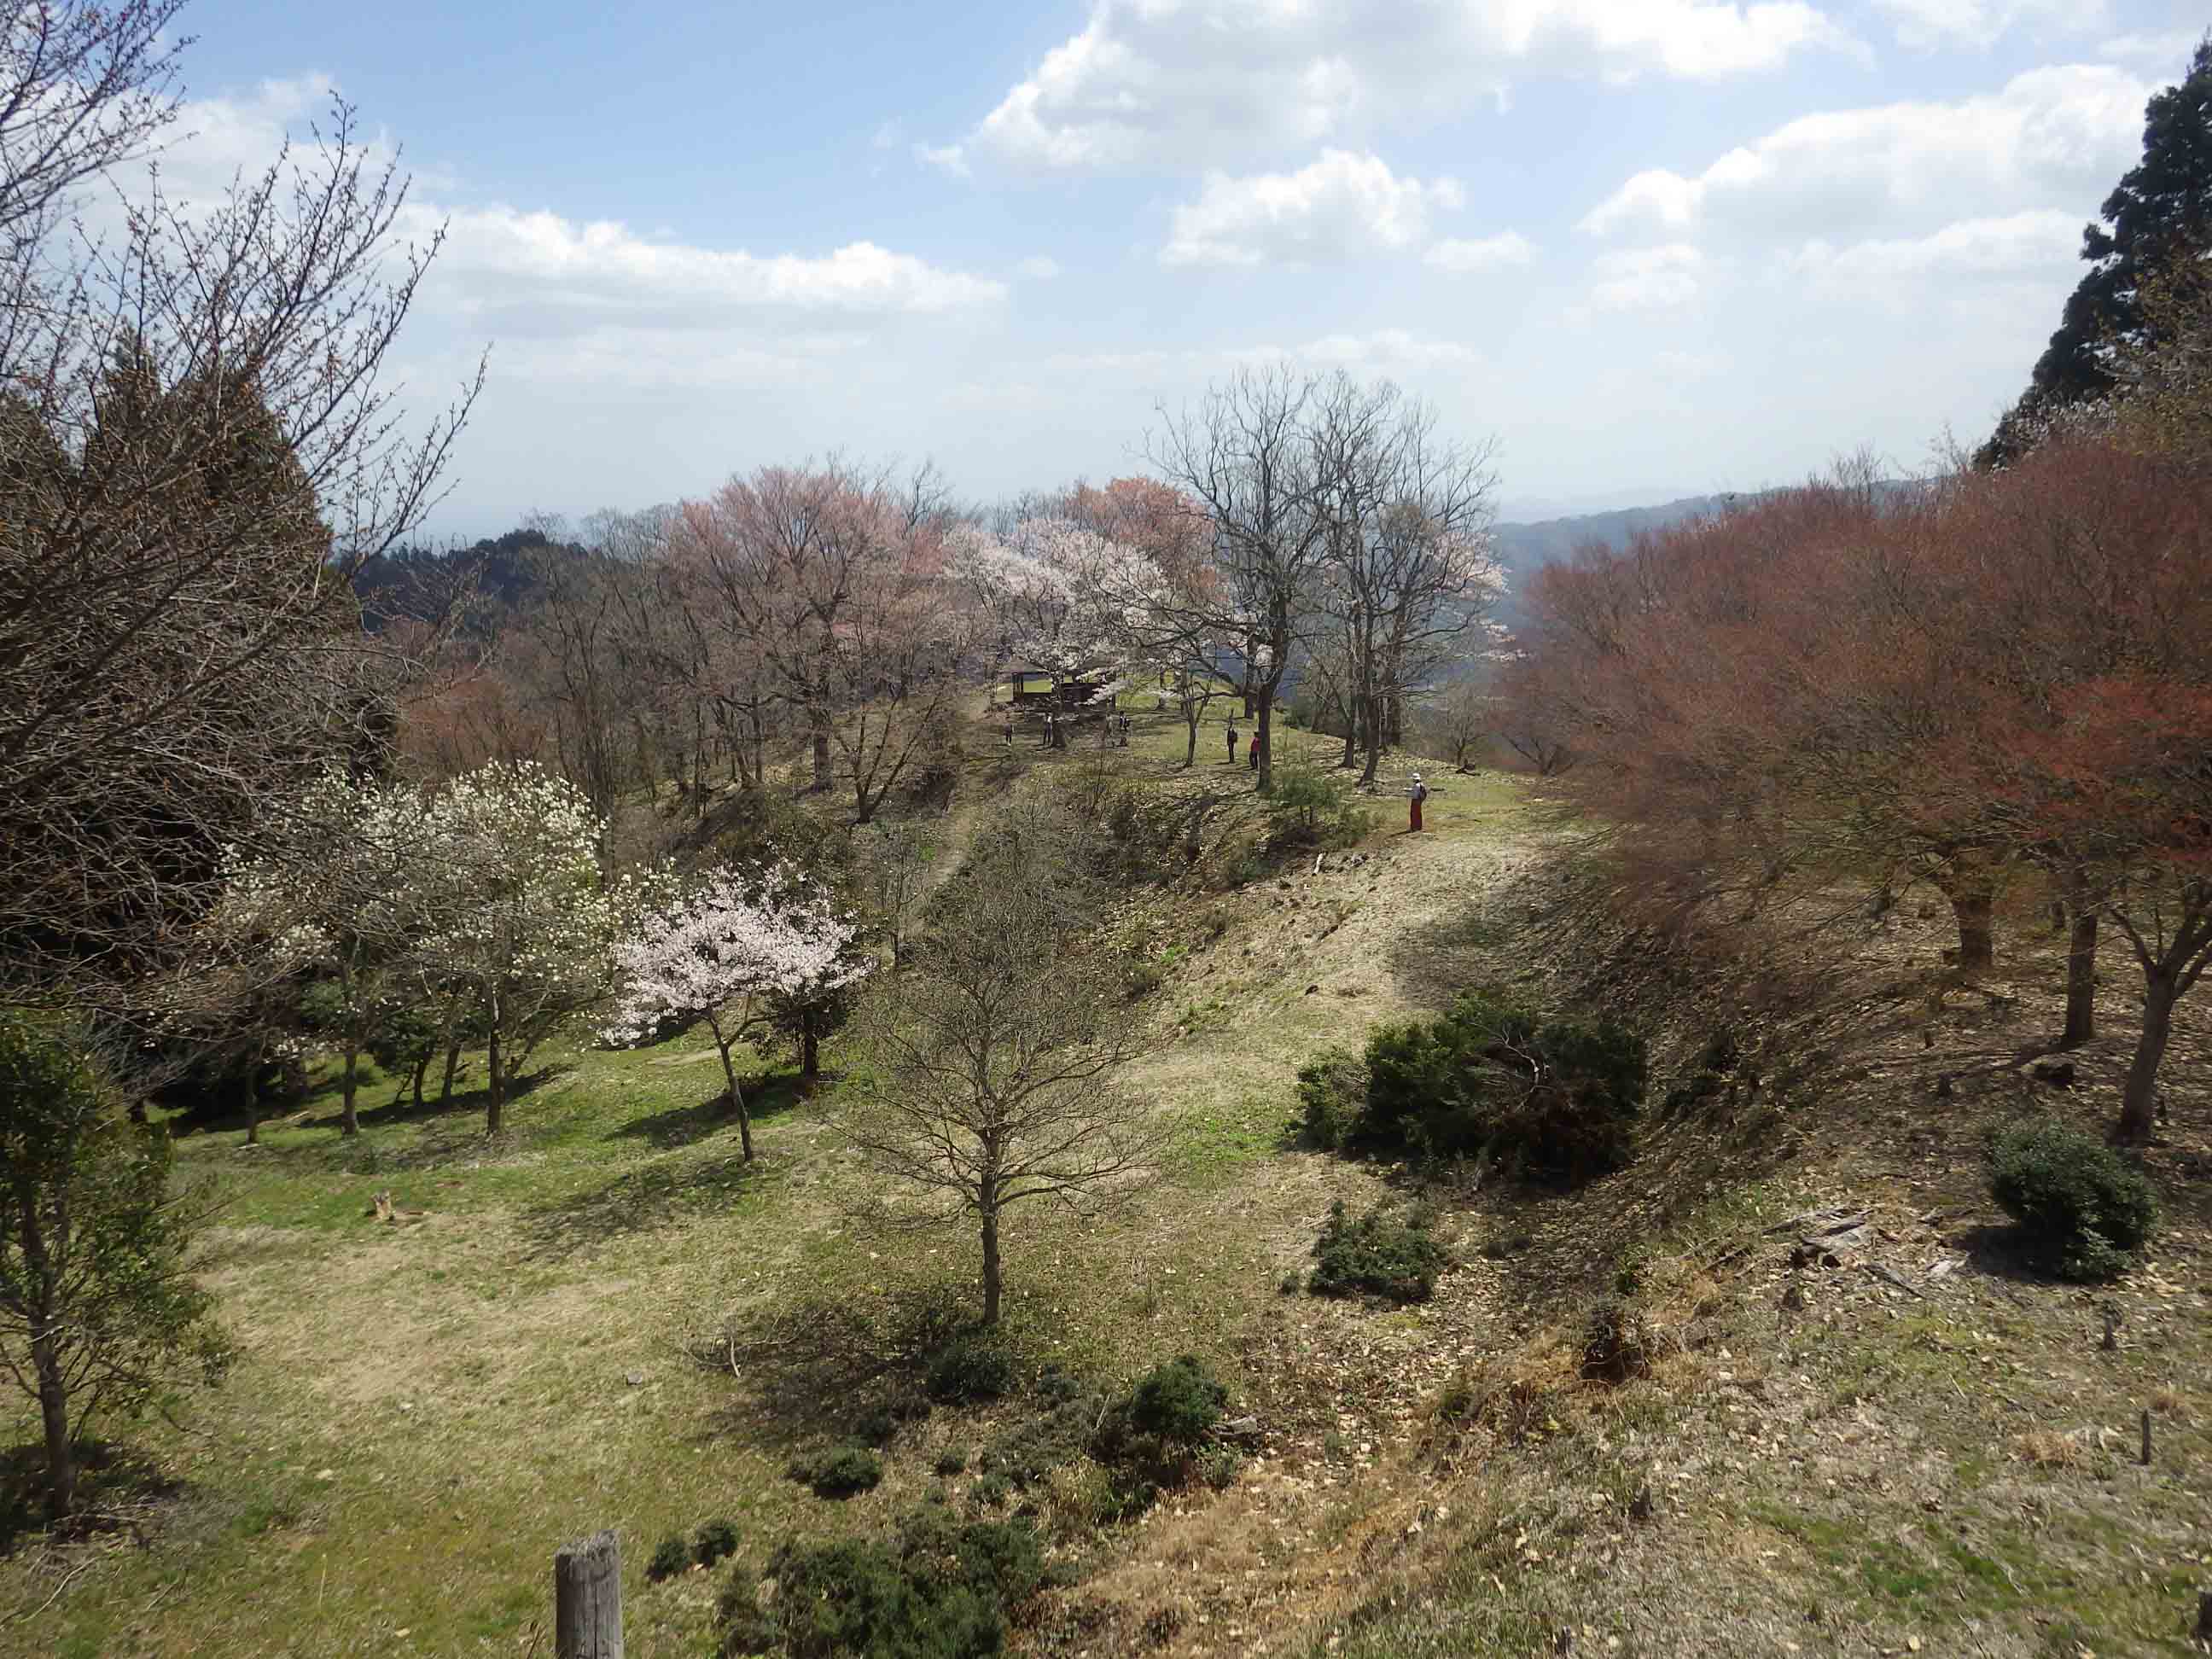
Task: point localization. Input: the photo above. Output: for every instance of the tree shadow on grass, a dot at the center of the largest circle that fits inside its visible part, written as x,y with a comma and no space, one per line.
639,1200
118,1490
820,1365
766,1098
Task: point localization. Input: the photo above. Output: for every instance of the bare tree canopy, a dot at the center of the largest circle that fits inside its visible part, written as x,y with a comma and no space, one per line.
999,1055
197,450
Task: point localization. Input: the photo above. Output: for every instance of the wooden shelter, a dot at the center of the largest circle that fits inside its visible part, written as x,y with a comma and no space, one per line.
1039,690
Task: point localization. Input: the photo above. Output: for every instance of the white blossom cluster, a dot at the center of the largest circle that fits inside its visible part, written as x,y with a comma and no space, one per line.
737,936
505,883
1065,598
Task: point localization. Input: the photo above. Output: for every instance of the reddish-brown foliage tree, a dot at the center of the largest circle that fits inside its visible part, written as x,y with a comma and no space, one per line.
2003,676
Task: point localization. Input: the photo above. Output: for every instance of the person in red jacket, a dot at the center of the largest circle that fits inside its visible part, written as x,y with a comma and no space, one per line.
1414,796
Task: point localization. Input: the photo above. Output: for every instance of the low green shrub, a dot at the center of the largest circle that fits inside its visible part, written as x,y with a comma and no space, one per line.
717,1539
950,1461
1555,1099
1393,1256
881,1419
971,1366
841,1472
671,1556
1178,1403
1307,807
2083,1210
1158,1433
1332,1096
937,1589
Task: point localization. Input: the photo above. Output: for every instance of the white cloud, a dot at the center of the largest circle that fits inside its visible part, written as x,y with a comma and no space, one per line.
1468,258
2050,135
1339,207
1647,278
1930,25
2165,53
2043,240
1038,267
540,270
1195,80
946,158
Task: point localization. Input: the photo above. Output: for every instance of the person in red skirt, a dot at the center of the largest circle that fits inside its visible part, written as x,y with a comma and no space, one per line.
1414,796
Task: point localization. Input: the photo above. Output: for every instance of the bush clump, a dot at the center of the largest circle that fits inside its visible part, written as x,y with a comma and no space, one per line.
937,1589
1156,1434
1179,1403
841,1472
1332,1096
717,1541
2083,1210
1554,1099
670,1557
1394,1256
880,1422
1307,808
971,1366
1618,1342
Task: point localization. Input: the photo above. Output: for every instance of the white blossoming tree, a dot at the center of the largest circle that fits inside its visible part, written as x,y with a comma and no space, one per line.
728,953
323,893
507,907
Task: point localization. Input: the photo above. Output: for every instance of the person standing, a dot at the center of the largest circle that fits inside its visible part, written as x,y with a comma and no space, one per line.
1232,742
1252,751
1415,794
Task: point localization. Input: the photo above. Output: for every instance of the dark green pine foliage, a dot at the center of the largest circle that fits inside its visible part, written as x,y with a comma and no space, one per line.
2159,211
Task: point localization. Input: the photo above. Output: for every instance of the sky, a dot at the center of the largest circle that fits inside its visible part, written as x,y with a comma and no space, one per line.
1651,247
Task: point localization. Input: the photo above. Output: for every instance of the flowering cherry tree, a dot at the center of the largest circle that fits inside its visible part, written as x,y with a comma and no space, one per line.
322,893
727,953
506,906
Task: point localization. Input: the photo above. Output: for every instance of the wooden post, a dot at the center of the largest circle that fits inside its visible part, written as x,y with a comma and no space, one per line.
587,1599
2146,1439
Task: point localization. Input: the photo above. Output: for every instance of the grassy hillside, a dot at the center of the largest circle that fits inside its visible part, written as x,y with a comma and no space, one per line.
604,1318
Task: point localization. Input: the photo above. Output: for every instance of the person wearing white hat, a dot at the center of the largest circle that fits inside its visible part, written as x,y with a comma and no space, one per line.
1416,793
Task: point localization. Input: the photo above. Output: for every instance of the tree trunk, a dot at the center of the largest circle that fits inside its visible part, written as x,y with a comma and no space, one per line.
819,720
1375,713
1973,905
250,1101
810,1053
1190,719
2139,1100
737,1095
452,1065
349,1120
45,1285
1261,735
53,1414
991,1280
495,1100
422,1066
2080,981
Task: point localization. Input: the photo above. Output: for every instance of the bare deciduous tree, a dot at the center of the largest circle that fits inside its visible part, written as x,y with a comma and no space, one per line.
197,450
998,1051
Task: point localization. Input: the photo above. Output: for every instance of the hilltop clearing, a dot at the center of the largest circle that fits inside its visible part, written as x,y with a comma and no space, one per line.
603,1317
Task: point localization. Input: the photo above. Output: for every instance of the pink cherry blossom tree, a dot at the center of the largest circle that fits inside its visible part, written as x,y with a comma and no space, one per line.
725,952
